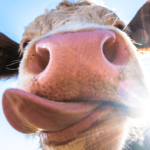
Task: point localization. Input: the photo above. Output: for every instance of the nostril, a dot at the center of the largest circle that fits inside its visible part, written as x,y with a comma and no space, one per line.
44,53
109,51
40,60
116,52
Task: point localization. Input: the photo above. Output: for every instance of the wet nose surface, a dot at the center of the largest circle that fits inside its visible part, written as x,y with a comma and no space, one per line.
77,65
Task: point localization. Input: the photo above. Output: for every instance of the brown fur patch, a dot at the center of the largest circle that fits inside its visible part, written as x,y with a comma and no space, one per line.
9,57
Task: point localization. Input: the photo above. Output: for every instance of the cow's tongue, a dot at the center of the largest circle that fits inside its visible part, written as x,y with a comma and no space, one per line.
28,113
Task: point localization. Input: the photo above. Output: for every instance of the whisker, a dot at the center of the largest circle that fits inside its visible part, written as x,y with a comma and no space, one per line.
12,64
126,29
16,61
107,14
134,42
109,19
11,68
115,21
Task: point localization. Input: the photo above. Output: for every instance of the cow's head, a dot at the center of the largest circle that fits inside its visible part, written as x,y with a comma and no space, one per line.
80,82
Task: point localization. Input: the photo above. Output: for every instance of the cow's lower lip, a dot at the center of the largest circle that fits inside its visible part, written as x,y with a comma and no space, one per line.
64,136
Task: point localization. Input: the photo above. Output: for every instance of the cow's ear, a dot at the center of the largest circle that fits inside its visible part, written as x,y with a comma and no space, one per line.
9,57
140,27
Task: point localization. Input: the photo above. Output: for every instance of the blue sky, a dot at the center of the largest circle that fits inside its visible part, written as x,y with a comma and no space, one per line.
15,15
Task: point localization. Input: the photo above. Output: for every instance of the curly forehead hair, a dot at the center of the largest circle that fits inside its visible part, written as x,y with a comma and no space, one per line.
67,3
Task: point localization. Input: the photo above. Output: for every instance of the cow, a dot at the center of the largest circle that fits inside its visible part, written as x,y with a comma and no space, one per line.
81,85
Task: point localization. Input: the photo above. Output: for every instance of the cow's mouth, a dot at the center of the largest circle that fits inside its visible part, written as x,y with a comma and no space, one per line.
63,121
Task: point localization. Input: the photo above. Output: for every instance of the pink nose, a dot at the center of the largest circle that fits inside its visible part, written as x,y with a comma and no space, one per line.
73,65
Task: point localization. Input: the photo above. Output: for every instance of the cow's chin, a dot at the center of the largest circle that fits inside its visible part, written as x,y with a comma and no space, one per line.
57,122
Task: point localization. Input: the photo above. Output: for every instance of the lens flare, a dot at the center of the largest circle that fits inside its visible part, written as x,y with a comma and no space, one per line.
136,97
141,36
